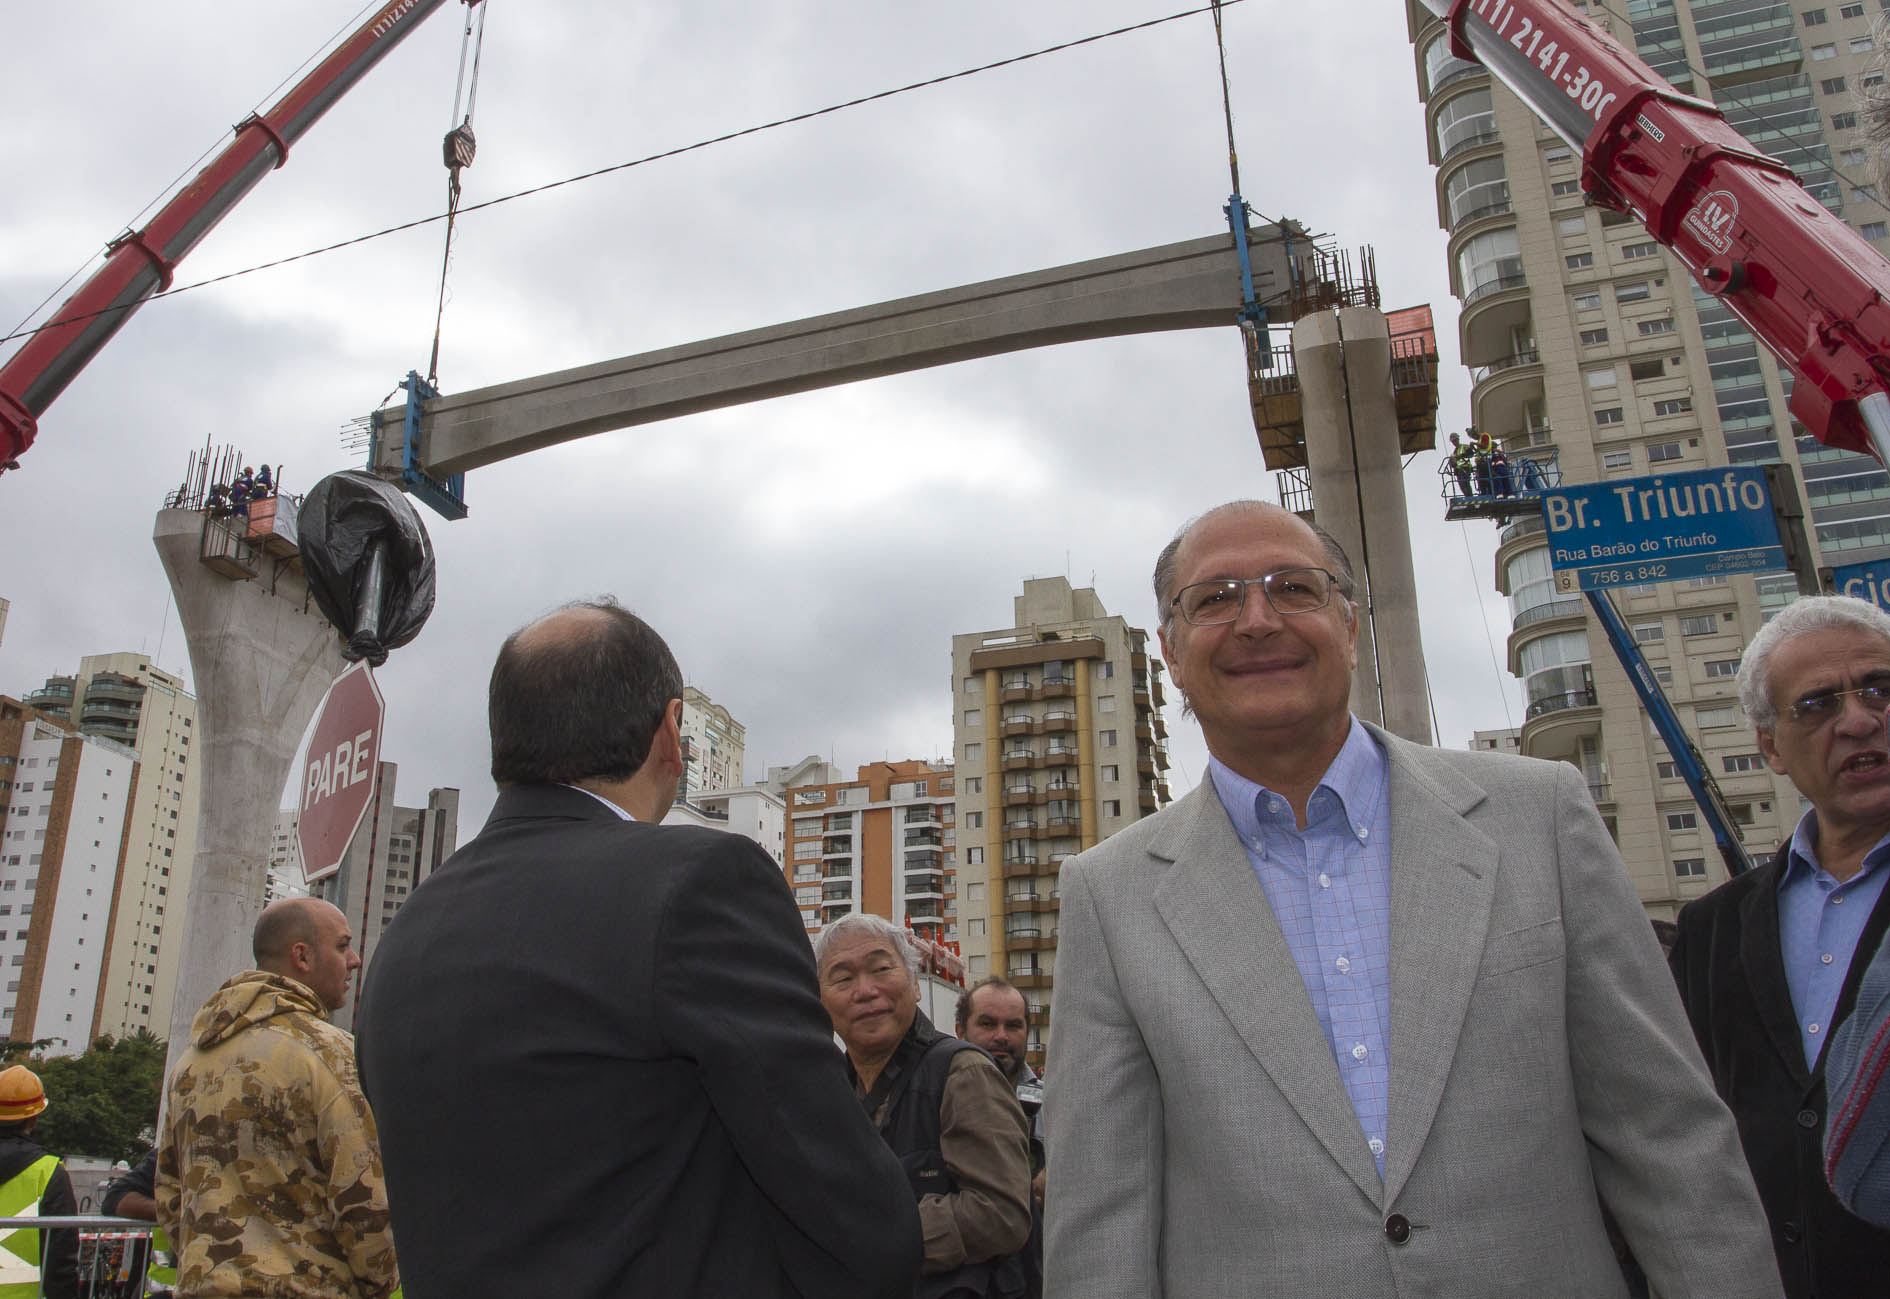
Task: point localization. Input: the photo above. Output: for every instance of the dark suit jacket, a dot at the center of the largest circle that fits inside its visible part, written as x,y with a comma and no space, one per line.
600,1066
1731,973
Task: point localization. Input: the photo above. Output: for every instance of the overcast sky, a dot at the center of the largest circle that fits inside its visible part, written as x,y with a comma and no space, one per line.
810,558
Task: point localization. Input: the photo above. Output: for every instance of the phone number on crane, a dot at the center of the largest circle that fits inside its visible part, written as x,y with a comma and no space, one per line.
1527,35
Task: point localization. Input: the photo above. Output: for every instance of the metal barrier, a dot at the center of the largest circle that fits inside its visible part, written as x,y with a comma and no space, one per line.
114,1253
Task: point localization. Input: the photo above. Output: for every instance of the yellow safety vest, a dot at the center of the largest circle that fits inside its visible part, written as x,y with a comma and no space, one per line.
19,1249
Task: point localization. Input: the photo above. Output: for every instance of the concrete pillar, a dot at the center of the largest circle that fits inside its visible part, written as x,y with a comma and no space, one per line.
261,657
1357,472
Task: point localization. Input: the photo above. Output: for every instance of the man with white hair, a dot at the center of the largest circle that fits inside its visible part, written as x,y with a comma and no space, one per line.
1769,962
940,1103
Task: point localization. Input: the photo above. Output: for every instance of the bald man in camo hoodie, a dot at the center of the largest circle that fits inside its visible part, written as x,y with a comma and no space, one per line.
269,1167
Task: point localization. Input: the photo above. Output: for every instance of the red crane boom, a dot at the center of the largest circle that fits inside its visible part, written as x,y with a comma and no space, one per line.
1806,285
142,262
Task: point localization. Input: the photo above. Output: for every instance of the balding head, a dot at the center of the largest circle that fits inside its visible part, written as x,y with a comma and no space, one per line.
578,695
1169,563
307,940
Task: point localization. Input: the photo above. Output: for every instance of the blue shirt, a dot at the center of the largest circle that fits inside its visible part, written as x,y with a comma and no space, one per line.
1330,889
1819,923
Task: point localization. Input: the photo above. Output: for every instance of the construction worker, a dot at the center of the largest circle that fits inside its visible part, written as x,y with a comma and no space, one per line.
33,1184
1462,458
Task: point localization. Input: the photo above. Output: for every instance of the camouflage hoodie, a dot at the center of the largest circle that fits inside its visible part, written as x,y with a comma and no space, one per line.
269,1164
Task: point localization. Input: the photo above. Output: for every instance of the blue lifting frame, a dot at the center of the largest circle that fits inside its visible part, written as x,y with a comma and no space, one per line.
447,498
1252,316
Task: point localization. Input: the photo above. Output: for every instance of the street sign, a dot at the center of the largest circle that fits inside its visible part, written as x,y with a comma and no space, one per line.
1870,581
338,775
1697,523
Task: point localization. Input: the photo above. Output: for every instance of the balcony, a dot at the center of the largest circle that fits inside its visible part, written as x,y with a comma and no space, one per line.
1059,721
1031,900
1040,1018
1030,979
840,847
1469,142
1063,785
1495,313
1020,823
1527,525
1503,392
1559,703
122,689
1031,940
1018,867
924,839
841,892
1068,751
1015,726
1012,692
837,871
1019,760
1057,688
1552,609
1498,207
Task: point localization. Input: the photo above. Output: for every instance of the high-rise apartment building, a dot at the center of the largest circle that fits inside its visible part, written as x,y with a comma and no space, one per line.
124,698
881,843
1059,743
1583,336
66,813
392,851
712,746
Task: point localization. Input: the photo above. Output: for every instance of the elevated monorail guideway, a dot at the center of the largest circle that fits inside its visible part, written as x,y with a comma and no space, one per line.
1191,285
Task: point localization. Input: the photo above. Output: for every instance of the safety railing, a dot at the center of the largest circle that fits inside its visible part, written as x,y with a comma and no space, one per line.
115,1256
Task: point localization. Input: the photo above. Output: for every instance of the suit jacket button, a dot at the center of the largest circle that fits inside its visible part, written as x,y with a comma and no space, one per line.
1807,1118
1397,1229
1791,1232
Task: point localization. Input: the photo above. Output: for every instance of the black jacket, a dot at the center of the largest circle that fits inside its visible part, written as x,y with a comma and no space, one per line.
1728,962
59,1250
641,1000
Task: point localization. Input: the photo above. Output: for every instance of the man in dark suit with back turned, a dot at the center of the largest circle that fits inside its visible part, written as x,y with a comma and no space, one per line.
1770,962
595,1045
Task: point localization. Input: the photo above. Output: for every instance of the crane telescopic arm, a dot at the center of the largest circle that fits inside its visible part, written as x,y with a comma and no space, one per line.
1806,285
141,262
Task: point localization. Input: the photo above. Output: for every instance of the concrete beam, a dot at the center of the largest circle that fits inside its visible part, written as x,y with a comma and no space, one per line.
1192,285
261,658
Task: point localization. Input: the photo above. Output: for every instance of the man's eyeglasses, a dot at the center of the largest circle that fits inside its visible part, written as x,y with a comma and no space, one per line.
1288,590
1816,709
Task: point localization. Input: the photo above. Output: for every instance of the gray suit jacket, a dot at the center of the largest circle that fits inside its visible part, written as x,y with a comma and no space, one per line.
1201,1143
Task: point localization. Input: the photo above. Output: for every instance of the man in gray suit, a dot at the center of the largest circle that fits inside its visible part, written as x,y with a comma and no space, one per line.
1358,1017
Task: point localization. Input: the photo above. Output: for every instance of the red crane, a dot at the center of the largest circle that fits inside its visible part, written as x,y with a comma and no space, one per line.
1806,285
141,262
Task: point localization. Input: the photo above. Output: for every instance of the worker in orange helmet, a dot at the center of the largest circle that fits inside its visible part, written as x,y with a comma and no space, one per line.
32,1184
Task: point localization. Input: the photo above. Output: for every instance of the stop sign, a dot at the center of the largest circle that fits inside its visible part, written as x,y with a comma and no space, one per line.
338,775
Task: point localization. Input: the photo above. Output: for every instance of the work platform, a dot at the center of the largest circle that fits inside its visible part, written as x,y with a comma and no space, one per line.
1499,493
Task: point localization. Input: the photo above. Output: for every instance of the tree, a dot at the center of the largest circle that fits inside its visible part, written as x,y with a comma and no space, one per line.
104,1102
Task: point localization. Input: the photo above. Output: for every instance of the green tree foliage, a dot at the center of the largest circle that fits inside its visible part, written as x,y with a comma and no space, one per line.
104,1102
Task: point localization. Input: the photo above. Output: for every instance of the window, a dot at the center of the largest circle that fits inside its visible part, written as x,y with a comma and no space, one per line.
1660,451
1649,328
974,717
1864,193
1852,157
1724,715
1872,229
1634,252
1649,631
1609,415
1690,868
1832,85
1553,156
974,784
973,753
1594,337
1858,45
1683,820
1673,406
1634,292
1819,53
974,856
1587,300
1579,261
1112,772
1565,188
1572,225
1704,624
1667,770
1851,11
1844,121
1621,459
1720,668
974,685
974,820
1112,807
1737,762
1107,739
1647,369
1602,378
1814,17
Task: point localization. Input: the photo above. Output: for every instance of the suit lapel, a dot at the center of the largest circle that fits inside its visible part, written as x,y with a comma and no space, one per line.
1443,875
1218,914
1763,964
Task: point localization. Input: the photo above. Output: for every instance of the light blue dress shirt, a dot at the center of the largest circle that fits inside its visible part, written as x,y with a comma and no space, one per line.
1330,889
1819,923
